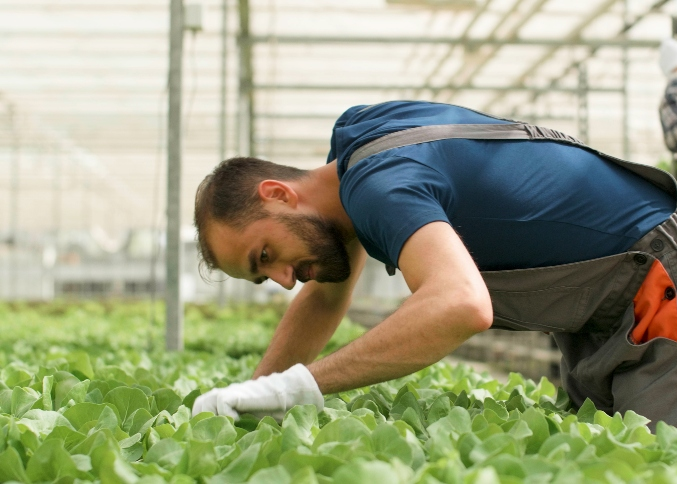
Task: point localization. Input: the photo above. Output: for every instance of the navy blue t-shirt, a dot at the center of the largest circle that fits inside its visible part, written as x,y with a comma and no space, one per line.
515,204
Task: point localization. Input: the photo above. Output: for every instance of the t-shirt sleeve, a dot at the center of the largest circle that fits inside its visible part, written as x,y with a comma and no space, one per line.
340,123
389,198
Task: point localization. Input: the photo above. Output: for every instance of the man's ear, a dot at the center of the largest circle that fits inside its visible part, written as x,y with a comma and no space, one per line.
275,191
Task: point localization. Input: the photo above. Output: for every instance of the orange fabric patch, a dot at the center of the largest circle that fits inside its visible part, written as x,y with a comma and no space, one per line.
655,307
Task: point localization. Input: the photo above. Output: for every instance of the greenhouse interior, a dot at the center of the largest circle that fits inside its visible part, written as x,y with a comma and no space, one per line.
113,113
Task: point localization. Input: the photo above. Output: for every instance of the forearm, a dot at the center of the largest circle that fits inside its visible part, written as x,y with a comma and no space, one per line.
311,319
421,332
304,330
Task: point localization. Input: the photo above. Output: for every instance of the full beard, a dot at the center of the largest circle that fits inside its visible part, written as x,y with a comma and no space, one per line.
326,245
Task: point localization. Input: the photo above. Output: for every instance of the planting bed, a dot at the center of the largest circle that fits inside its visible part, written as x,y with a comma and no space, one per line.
87,395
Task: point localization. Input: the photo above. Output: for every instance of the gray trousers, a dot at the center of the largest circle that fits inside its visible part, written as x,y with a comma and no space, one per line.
588,306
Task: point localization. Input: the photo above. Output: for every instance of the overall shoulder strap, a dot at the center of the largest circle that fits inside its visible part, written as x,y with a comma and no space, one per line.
505,131
424,134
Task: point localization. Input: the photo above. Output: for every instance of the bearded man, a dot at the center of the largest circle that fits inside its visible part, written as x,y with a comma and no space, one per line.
490,221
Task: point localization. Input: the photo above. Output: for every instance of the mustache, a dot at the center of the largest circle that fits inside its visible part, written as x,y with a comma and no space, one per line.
302,271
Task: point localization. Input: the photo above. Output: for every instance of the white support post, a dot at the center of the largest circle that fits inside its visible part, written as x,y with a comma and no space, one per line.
174,303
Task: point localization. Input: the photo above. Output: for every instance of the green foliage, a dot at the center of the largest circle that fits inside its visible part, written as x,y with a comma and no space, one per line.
82,399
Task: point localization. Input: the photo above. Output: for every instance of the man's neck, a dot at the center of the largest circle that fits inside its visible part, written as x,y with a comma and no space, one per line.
320,191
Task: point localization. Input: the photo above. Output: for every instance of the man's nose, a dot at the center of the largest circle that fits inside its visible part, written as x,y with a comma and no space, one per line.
284,276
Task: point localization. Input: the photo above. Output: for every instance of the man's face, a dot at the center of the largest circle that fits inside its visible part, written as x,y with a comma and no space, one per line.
282,247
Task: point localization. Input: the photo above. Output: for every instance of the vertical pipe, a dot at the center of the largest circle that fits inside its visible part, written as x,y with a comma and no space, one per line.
626,74
86,199
56,217
14,204
583,102
222,111
245,97
222,115
174,304
86,227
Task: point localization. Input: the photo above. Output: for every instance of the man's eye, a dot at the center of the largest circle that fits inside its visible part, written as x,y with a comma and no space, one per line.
264,256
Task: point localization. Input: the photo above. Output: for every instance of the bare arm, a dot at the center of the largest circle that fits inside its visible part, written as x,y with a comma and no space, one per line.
449,303
311,319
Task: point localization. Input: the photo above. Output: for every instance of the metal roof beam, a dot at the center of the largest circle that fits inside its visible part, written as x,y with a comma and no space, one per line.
514,31
464,35
626,28
108,93
295,116
317,40
453,47
470,42
466,87
573,36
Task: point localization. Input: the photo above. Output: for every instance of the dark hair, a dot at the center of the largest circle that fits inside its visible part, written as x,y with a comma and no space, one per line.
230,195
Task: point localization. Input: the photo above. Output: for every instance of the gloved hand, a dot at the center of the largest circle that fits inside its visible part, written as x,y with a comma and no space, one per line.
267,395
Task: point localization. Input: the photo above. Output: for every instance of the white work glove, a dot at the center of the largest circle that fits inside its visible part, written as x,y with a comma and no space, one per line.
267,395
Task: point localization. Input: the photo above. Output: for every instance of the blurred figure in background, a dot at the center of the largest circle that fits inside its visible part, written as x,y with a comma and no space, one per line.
668,107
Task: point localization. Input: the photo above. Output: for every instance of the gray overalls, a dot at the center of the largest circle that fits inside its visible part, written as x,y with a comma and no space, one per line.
588,305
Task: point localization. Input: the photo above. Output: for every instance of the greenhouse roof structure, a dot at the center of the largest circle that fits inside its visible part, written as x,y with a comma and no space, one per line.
83,87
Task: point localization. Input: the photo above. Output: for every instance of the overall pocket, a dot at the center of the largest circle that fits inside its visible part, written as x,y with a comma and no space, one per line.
552,309
558,298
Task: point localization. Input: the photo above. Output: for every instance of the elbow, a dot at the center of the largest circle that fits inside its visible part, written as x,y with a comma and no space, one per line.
476,312
484,310
484,316
452,318
459,321
481,317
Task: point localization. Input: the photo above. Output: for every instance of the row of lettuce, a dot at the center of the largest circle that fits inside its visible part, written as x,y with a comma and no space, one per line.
87,394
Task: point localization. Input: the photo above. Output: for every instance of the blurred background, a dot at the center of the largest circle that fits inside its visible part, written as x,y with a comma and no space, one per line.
84,112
